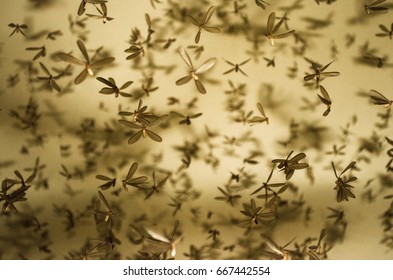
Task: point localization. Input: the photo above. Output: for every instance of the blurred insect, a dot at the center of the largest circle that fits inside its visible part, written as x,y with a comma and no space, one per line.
315,251
185,119
350,38
338,216
325,98
278,251
270,62
103,13
389,165
88,65
228,196
52,35
198,50
386,31
144,129
107,213
41,53
374,8
147,85
268,187
113,88
342,186
319,72
290,165
373,59
135,182
156,187
379,99
193,75
271,32
82,5
236,67
18,28
337,151
257,119
202,25
262,3
161,244
152,2
50,79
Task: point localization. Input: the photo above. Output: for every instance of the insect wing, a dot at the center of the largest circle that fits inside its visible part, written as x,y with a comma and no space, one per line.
184,55
206,66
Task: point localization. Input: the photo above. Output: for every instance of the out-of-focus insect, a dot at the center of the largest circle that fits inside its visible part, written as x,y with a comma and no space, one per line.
202,24
290,165
50,79
52,35
103,13
350,38
88,65
325,98
271,32
185,119
161,244
41,51
236,67
228,196
135,182
82,5
379,99
319,72
315,251
386,31
259,119
156,187
270,62
374,8
342,186
373,59
113,88
193,75
268,187
144,129
18,28
278,251
262,3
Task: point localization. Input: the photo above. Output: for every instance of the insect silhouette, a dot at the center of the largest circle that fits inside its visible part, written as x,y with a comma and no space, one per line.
50,78
325,98
193,75
88,65
18,28
130,180
279,252
202,25
375,8
271,32
379,99
342,186
236,67
113,88
385,31
185,119
319,73
290,165
103,13
259,119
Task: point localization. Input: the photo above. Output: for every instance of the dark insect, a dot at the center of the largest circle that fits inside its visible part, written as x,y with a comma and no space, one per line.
270,62
185,119
88,65
113,88
82,5
325,98
107,213
379,99
50,78
262,3
386,31
41,51
374,8
259,119
319,72
228,196
110,182
18,28
52,35
278,251
290,165
156,187
202,25
143,129
103,13
272,29
268,187
236,67
342,186
373,59
255,214
315,251
193,75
